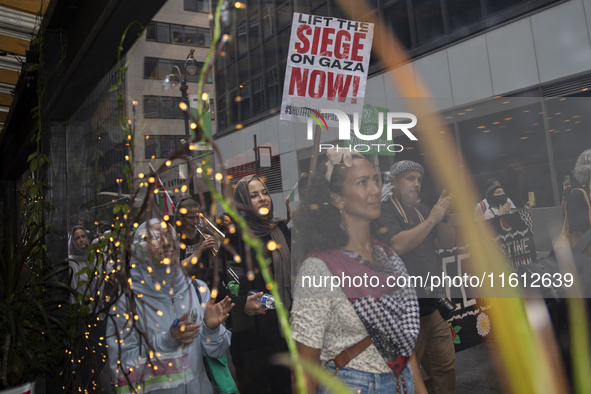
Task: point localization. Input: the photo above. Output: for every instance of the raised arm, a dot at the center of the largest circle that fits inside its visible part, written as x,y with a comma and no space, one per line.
407,240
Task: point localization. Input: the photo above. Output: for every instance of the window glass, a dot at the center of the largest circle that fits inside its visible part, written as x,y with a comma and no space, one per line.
428,20
166,110
245,102
178,35
223,119
494,6
178,112
190,5
212,107
164,68
269,52
462,13
396,18
222,103
284,15
163,32
268,20
322,10
152,147
569,134
300,6
272,88
283,43
203,37
232,76
190,35
243,71
168,145
150,68
203,5
233,107
151,106
220,81
256,63
151,32
180,142
255,36
258,105
315,3
505,139
242,40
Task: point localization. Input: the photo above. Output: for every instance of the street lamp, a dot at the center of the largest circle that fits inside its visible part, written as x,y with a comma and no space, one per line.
191,67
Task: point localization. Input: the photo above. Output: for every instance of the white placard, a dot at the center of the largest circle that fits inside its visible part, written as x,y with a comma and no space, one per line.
327,67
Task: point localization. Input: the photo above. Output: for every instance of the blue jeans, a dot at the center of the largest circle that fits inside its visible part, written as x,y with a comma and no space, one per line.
372,383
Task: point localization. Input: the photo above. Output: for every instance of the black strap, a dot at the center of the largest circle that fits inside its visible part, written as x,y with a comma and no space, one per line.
197,291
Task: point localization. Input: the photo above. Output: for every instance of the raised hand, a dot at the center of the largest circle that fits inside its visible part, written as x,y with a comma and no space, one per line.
217,313
505,209
185,331
442,208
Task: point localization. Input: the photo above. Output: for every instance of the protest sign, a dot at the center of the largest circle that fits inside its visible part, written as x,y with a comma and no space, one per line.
327,66
470,323
370,124
515,238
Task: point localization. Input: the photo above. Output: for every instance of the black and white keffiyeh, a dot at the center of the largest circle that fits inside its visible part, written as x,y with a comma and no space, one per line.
398,168
389,314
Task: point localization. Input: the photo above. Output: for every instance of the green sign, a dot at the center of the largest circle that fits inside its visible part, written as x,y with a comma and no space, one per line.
369,126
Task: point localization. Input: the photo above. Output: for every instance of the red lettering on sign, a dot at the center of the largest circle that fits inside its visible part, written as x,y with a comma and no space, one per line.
357,46
340,43
304,45
313,90
298,81
336,88
315,40
356,81
326,41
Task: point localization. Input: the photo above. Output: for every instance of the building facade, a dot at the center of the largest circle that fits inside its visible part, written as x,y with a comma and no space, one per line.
509,79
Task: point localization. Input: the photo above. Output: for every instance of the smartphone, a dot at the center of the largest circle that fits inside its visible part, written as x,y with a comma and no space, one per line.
532,199
566,179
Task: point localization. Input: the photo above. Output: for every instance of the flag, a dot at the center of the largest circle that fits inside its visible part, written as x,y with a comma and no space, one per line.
294,195
163,202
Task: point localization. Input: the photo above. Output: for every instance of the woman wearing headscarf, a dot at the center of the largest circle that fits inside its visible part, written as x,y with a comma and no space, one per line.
256,334
365,333
498,205
161,328
77,258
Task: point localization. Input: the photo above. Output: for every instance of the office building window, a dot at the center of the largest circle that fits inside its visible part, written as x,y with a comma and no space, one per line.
156,68
162,146
162,107
196,5
181,35
428,12
255,59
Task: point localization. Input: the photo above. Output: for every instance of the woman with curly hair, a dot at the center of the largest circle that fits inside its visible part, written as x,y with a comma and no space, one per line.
365,334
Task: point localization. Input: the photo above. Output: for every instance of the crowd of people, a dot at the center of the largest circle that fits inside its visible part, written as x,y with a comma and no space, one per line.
169,333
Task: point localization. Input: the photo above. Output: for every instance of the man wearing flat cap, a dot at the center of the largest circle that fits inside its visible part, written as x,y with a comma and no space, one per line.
414,232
